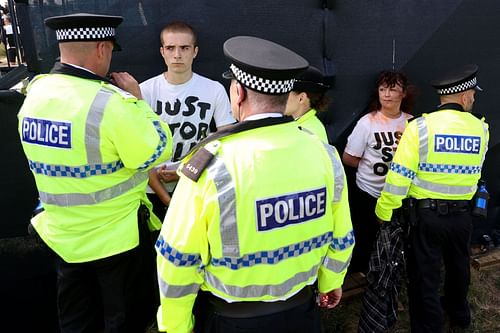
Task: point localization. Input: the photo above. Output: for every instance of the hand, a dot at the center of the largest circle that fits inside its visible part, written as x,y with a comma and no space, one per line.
127,82
380,221
330,299
167,175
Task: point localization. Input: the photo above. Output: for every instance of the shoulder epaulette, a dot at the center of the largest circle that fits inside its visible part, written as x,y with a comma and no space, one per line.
121,92
195,166
416,117
478,116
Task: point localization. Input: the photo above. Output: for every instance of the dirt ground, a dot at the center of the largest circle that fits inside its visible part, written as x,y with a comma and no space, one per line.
484,297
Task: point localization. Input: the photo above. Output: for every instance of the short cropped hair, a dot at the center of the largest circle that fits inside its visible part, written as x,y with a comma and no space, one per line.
179,26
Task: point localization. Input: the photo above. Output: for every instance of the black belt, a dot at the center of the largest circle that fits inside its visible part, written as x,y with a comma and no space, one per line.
444,207
257,309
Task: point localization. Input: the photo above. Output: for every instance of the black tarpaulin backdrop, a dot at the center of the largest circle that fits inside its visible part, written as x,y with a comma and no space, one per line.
349,40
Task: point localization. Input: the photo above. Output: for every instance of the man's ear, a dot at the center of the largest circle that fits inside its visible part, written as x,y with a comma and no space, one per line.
100,49
240,92
195,52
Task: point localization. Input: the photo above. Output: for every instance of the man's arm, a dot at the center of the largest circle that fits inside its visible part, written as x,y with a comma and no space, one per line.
334,267
183,250
140,138
403,170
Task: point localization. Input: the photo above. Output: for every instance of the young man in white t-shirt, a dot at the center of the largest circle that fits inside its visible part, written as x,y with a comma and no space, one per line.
188,102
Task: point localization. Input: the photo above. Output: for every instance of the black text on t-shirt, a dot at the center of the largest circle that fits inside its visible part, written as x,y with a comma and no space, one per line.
187,129
387,143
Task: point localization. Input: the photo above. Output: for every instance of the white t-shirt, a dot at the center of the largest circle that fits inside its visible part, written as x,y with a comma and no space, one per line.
374,140
188,109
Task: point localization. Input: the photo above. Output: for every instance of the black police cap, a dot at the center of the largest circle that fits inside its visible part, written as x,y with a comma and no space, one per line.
311,80
457,80
84,27
262,65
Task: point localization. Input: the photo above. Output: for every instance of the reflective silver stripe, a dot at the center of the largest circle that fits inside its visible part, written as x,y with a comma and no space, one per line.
75,199
485,128
226,196
274,256
443,189
175,291
338,172
336,266
93,124
395,189
251,291
423,136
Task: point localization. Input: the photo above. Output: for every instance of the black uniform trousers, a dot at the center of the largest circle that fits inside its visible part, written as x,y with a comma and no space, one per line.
114,294
302,318
438,239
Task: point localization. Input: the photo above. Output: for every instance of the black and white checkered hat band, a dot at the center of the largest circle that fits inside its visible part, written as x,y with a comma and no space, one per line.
267,86
458,88
94,33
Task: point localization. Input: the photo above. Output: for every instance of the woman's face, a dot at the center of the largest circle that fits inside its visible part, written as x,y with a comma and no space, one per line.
390,97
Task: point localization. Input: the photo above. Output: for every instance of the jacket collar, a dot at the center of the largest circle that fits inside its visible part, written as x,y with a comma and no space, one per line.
62,68
450,106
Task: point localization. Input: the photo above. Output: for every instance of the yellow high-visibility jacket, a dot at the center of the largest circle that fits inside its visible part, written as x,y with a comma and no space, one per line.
89,145
440,156
268,216
310,122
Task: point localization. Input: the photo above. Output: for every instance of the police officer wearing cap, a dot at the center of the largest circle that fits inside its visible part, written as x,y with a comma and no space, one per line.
259,215
308,96
437,166
89,145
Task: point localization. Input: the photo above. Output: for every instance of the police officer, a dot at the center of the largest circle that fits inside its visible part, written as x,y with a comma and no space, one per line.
260,213
438,162
89,145
308,96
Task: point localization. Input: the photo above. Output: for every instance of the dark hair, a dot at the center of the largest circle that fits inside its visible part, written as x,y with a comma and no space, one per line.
318,101
179,26
390,79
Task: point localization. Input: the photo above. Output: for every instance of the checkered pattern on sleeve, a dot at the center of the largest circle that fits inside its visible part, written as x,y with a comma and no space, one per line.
274,87
458,88
176,257
89,33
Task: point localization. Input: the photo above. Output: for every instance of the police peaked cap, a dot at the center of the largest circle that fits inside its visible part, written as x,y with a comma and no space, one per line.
458,80
84,27
262,65
311,80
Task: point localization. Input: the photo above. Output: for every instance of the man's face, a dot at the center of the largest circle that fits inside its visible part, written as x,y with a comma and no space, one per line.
178,51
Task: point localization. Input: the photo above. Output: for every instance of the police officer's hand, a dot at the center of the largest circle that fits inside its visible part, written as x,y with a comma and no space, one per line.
127,82
330,299
167,175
